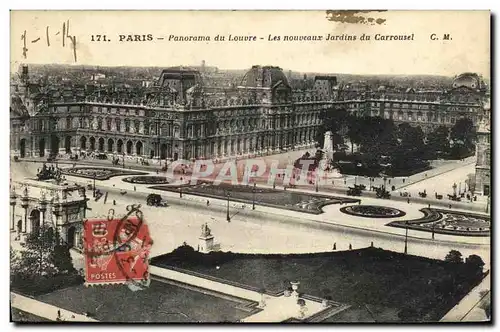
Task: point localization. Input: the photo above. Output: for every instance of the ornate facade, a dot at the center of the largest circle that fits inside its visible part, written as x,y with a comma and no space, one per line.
483,155
425,108
60,208
182,117
178,118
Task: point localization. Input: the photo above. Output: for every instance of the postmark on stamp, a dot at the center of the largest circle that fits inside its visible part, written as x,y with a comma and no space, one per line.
117,249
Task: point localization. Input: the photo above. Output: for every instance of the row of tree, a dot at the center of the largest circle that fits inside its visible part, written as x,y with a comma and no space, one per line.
382,137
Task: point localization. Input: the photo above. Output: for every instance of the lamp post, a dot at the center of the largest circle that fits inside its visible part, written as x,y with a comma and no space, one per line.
24,204
93,195
406,238
228,218
253,198
317,179
123,159
13,199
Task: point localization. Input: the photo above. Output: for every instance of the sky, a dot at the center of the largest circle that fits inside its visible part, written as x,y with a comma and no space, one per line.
468,49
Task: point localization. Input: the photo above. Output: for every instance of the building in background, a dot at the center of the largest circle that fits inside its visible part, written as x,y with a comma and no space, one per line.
179,117
483,155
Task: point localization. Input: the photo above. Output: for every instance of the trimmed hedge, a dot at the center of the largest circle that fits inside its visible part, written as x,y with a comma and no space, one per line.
38,285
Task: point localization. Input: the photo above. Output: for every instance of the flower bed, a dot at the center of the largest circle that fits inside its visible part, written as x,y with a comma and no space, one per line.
147,179
448,222
372,211
100,173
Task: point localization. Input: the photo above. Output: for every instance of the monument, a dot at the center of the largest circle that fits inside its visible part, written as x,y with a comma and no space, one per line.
326,161
61,209
328,147
206,239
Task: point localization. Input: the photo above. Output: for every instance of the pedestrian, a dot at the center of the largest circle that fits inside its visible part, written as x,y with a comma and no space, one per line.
208,202
449,206
335,246
408,200
350,246
114,202
429,205
135,188
403,180
371,245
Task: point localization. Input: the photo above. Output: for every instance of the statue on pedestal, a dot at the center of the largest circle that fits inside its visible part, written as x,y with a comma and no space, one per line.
205,230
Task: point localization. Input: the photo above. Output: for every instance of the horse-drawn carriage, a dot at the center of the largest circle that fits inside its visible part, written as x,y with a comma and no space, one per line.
381,192
155,200
354,191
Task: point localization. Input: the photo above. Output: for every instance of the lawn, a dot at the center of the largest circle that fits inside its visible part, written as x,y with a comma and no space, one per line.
19,316
161,302
278,198
400,287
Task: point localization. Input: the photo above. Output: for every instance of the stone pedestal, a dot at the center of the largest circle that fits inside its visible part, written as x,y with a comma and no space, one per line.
295,287
206,240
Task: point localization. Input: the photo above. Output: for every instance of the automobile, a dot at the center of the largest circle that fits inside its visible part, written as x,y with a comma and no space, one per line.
155,200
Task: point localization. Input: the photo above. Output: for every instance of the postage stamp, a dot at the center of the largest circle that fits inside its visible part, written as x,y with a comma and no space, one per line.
117,249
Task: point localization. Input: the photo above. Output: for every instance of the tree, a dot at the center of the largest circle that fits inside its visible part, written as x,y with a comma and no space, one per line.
37,258
354,131
437,140
411,140
454,256
334,120
463,135
377,135
475,263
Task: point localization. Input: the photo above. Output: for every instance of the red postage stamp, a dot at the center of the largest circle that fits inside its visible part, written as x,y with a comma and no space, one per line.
116,250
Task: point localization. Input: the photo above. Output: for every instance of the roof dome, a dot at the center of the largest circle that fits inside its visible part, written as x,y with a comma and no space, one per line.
264,77
469,80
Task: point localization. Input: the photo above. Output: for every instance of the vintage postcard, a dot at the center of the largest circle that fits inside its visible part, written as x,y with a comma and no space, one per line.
250,166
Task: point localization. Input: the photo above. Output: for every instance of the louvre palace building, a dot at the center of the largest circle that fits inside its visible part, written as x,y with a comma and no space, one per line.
182,116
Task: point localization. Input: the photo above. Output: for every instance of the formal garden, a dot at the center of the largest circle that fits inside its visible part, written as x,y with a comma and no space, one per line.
448,222
19,316
372,211
400,288
161,302
99,173
147,179
277,198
